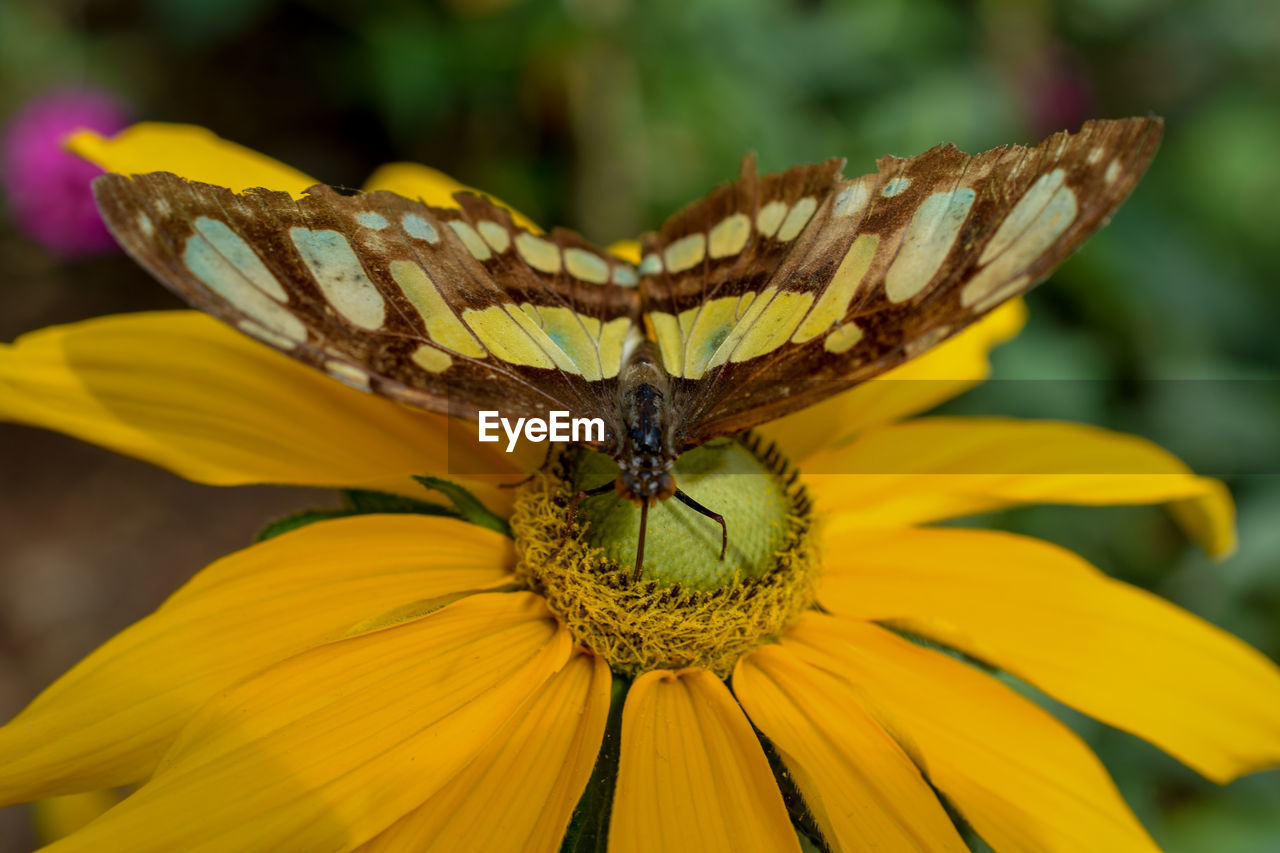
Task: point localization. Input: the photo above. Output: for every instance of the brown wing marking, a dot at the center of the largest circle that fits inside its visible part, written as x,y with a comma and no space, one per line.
895,262
387,294
703,271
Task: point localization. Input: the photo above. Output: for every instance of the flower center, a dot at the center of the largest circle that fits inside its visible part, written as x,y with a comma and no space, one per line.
690,608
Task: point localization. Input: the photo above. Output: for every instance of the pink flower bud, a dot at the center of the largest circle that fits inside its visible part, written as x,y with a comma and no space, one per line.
47,188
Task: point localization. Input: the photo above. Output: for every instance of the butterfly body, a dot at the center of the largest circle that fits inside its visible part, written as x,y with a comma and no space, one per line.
770,294
646,445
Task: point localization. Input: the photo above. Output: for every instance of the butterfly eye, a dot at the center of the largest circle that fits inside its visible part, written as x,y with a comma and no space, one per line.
666,486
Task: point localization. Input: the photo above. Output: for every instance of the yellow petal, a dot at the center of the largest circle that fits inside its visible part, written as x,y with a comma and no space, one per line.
628,250
198,154
191,152
935,468
947,370
108,720
435,188
186,392
58,817
691,774
1040,612
329,748
1024,781
862,789
520,792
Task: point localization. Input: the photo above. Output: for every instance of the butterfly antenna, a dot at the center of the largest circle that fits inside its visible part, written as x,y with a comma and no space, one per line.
644,529
714,516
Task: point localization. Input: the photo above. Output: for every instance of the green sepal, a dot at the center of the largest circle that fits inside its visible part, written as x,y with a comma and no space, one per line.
466,505
298,520
964,829
355,502
366,501
802,820
589,829
942,648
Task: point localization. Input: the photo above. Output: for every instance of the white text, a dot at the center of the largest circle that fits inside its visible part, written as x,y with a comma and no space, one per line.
560,427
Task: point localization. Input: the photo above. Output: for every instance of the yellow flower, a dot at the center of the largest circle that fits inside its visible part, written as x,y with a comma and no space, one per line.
390,682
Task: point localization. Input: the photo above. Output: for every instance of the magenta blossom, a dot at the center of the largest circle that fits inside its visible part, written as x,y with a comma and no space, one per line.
47,188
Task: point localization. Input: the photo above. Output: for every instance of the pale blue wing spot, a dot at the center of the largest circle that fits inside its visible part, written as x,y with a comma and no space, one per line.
337,270
211,266
558,338
418,228
713,341
624,275
895,186
238,254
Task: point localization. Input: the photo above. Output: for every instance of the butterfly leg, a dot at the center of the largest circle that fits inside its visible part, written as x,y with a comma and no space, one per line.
587,493
714,516
546,460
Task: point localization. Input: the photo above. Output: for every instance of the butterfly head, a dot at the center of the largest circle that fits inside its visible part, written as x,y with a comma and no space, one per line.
645,485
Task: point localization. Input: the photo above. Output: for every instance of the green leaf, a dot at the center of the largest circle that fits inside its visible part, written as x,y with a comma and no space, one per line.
358,502
802,820
466,504
298,520
589,829
934,645
366,501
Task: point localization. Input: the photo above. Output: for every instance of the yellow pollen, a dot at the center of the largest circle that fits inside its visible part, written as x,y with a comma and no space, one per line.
690,608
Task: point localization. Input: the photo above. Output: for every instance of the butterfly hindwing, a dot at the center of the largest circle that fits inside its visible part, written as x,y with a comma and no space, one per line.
766,296
731,241
451,310
883,267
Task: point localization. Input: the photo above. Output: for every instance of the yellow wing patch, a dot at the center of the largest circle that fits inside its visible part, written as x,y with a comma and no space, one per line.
729,236
498,238
570,339
834,302
774,325
797,218
770,217
432,359
551,337
696,339
711,327
475,244
685,253
544,336
613,339
579,343
443,326
1039,219
505,338
542,255
842,338
927,241
586,266
739,328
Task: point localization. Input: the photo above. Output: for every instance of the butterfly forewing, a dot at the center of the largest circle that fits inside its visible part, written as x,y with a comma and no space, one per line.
764,297
451,310
879,268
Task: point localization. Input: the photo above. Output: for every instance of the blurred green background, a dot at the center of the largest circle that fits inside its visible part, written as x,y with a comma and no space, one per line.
607,116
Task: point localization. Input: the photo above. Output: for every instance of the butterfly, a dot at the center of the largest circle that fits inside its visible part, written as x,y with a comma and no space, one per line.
766,296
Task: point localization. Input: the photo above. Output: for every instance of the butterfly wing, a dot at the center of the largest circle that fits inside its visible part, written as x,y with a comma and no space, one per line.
774,293
450,310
